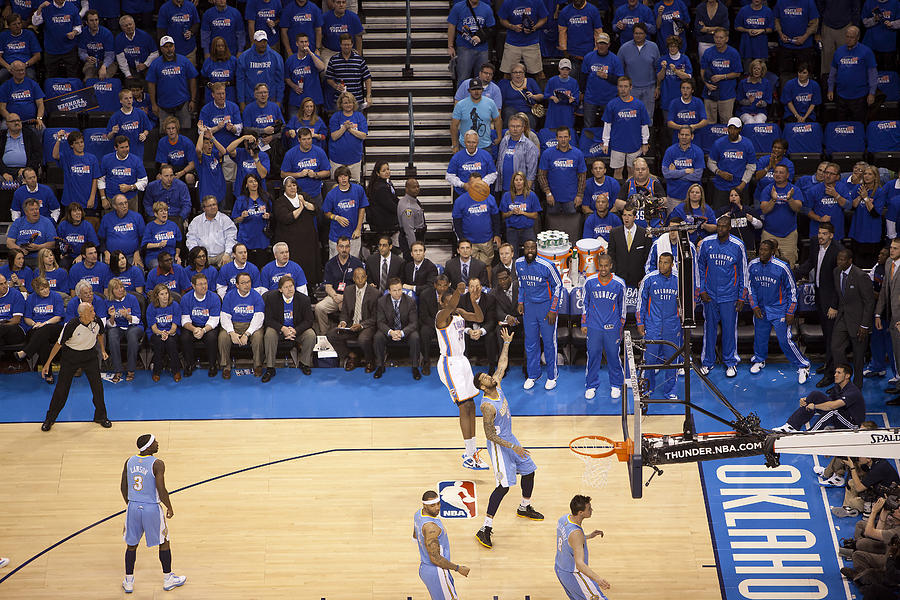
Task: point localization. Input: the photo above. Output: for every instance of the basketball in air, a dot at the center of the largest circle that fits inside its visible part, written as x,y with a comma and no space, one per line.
479,190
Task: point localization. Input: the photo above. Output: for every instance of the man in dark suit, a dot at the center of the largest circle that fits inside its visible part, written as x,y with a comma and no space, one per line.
819,267
629,247
507,262
384,265
420,272
506,297
887,309
357,321
463,267
429,305
397,322
852,313
288,316
483,333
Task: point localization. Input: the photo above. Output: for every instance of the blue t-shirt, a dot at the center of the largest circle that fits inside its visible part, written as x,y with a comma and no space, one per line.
522,12
464,166
98,276
529,203
132,278
692,158
25,275
220,70
23,232
58,21
692,215
260,117
769,178
296,160
137,50
19,47
580,24
124,309
640,13
304,73
227,24
600,227
466,25
670,87
211,273
478,117
477,217
755,46
171,79
597,89
12,304
175,20
242,308
131,126
251,231
97,302
675,10
74,236
176,279
246,164
333,27
44,195
562,113
852,79
228,275
782,220
802,96
210,179
123,233
261,11
819,202
879,38
755,92
593,190
626,119
58,280
163,317
98,44
721,63
865,226
198,311
514,99
271,274
118,171
21,98
154,233
562,172
79,173
346,204
320,127
731,157
301,19
795,16
178,154
347,149
41,310
889,196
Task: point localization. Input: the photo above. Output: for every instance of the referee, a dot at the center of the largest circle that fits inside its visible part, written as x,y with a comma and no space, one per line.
77,340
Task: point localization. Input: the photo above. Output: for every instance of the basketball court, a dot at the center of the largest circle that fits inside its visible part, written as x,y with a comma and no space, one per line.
306,488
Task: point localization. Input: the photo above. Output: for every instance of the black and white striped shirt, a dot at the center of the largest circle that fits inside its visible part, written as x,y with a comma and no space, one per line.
351,71
78,336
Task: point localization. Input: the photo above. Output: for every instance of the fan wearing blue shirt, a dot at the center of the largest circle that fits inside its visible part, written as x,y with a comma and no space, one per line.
602,186
44,312
464,21
21,95
779,204
477,113
219,66
562,174
672,69
882,19
122,229
200,313
579,25
222,21
477,219
626,129
31,232
131,277
135,49
62,24
242,324
256,65
519,208
19,44
227,279
345,206
12,311
470,161
131,122
302,72
301,16
825,204
263,117
282,266
161,234
687,110
337,22
121,172
755,21
732,161
181,21
89,268
221,116
167,273
263,15
682,165
720,68
178,152
867,223
172,81
523,20
123,320
601,70
795,23
800,96
250,213
348,128
97,49
853,79
754,94
47,202
600,223
161,324
562,94
210,176
17,273
629,14
308,164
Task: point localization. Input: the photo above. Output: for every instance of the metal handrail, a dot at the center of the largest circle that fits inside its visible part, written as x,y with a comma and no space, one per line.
408,67
412,128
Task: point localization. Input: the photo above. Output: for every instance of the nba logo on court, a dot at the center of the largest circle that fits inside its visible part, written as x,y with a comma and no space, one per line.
457,499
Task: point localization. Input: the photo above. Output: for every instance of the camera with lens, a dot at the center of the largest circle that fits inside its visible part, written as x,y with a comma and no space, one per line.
277,126
252,146
654,207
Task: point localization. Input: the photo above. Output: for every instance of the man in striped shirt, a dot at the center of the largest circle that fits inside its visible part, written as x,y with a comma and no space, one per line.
349,71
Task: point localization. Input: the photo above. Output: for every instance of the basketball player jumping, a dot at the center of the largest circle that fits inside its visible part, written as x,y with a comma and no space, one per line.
434,550
507,454
454,368
144,488
578,580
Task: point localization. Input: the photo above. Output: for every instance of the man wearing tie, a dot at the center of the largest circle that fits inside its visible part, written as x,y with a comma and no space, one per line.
397,321
463,266
507,255
887,310
506,297
852,313
483,333
419,273
629,247
821,265
384,265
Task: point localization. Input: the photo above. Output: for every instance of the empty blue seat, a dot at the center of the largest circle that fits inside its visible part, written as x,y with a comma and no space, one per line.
107,93
762,135
592,145
803,138
889,83
56,86
842,137
96,143
883,139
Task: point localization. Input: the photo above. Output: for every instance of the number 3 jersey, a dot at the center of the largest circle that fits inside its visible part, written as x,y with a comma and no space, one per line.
142,481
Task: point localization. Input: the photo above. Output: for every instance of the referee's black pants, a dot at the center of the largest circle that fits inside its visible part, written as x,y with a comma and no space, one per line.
71,361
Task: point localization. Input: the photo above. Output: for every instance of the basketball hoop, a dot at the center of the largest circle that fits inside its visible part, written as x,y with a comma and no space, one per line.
592,449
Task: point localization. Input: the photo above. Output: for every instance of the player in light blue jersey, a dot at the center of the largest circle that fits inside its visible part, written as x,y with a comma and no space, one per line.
434,550
579,581
540,287
507,454
144,490
773,298
602,321
658,319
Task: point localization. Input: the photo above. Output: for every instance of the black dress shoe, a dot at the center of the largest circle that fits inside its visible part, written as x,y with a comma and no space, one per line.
416,375
893,401
371,367
820,370
378,372
268,375
104,423
426,368
213,371
188,371
305,370
825,382
46,425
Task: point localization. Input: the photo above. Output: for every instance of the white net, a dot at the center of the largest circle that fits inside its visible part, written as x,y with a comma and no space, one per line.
596,471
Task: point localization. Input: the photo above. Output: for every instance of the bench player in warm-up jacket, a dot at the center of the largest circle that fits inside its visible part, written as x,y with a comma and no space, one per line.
658,319
540,287
602,321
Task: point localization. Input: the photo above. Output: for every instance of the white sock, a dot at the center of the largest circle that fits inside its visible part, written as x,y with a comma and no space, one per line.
129,578
525,502
166,575
470,446
488,521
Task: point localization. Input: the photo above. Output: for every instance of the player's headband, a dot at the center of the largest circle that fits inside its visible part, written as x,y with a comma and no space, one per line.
432,501
148,444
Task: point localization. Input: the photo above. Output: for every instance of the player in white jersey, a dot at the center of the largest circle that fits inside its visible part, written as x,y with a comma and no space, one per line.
144,488
507,454
434,550
454,368
579,581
